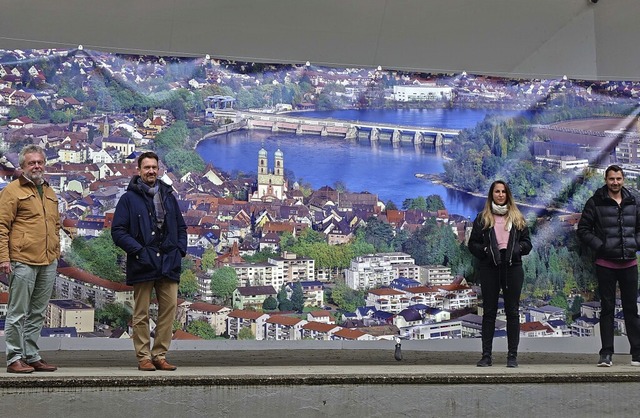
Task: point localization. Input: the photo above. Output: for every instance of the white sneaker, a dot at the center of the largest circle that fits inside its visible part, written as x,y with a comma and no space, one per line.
635,361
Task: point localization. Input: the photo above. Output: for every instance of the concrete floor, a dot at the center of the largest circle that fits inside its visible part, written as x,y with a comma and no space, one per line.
324,379
317,366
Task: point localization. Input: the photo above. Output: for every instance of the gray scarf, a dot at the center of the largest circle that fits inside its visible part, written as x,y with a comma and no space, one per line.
156,195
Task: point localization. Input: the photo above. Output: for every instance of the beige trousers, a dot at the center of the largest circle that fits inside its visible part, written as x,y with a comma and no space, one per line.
167,295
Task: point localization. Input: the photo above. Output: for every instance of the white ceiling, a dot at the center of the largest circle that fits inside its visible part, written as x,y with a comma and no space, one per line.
528,38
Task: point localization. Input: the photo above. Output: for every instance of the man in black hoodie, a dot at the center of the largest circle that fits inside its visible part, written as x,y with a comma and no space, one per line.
149,227
610,227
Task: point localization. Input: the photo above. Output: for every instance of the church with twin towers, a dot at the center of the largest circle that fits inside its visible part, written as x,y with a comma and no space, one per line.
271,185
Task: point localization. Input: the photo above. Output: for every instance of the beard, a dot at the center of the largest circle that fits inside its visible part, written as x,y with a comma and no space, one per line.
614,189
35,177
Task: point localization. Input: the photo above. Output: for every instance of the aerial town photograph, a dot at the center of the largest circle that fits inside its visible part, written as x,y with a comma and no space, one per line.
208,210
319,203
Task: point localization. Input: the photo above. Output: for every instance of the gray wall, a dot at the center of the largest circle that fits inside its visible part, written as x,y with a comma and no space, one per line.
601,399
540,38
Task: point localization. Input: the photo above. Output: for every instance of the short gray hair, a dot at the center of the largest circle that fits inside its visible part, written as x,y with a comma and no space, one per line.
31,149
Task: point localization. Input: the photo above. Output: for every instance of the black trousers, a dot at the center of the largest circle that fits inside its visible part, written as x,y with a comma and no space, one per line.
627,280
509,280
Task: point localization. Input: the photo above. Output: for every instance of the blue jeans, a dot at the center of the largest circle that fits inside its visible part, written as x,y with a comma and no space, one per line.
30,288
627,280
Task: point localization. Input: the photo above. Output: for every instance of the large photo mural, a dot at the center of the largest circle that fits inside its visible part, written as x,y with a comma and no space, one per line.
307,188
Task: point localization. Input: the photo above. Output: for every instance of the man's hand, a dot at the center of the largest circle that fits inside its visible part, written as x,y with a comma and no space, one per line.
5,267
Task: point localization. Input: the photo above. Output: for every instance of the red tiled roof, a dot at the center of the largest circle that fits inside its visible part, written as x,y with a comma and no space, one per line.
83,276
319,326
386,291
284,320
183,335
350,334
205,307
239,313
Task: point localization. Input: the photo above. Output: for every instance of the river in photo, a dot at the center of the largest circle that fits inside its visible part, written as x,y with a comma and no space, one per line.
379,167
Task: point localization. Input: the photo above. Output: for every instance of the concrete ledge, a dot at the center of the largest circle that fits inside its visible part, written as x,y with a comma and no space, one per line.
325,379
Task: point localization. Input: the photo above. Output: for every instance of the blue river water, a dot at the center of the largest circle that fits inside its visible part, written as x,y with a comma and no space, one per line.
379,168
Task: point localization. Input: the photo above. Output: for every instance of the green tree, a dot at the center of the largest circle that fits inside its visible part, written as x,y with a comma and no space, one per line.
576,306
261,256
202,329
434,203
223,282
58,117
113,314
360,246
390,205
284,304
308,236
177,108
297,297
287,241
417,203
246,334
209,259
188,283
176,325
14,112
433,243
270,304
559,300
172,138
98,256
187,264
184,161
346,298
379,234
34,110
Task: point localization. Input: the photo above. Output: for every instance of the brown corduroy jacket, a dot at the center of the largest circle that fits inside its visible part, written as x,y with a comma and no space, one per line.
29,225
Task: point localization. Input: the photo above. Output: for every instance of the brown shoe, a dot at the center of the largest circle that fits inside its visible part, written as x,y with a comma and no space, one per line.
163,364
19,366
43,366
146,365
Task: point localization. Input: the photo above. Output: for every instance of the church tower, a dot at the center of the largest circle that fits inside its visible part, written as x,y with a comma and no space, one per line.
105,128
263,161
271,185
278,169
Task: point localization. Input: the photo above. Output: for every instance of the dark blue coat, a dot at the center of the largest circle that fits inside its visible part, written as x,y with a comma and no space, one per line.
151,254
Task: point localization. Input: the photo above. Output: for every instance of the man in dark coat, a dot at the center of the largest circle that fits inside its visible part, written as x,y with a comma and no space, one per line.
610,226
149,227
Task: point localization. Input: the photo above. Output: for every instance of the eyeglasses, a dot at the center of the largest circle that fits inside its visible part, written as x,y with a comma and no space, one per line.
32,163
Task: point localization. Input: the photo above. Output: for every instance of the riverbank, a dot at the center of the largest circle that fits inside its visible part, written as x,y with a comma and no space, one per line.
436,179
224,129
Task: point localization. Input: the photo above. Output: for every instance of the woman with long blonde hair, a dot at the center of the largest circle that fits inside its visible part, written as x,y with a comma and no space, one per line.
499,239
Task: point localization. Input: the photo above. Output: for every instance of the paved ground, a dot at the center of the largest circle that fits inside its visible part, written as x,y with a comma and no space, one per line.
114,368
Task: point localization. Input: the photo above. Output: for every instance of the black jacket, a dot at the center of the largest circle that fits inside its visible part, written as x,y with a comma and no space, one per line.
484,245
612,231
151,254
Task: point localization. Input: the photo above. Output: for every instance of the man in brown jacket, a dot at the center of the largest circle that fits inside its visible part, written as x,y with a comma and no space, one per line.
29,252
